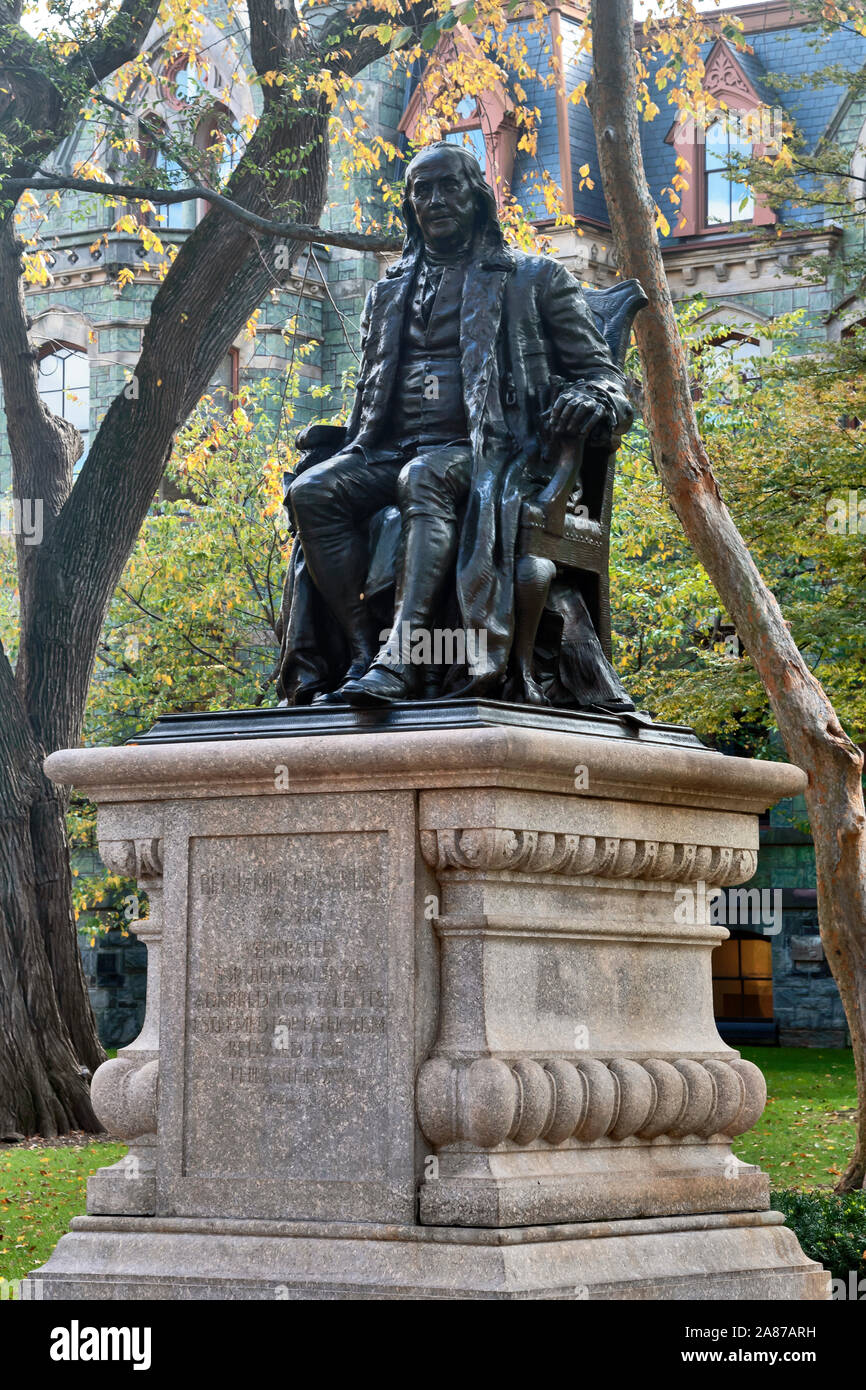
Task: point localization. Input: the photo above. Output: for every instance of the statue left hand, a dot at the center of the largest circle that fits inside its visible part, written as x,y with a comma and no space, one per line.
578,411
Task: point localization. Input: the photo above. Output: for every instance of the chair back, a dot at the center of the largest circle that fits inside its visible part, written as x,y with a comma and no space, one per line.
614,310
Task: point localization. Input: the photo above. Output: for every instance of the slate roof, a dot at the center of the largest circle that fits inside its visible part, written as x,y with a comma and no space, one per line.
792,52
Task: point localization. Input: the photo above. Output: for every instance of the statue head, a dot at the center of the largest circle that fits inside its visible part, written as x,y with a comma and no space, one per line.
447,201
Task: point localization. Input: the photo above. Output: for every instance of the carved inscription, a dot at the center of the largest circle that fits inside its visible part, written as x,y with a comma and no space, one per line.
287,1015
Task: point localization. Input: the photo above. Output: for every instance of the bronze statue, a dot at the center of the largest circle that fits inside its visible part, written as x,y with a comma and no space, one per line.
488,408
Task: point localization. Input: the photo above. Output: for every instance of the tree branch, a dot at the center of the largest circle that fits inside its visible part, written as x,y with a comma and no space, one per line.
121,40
292,231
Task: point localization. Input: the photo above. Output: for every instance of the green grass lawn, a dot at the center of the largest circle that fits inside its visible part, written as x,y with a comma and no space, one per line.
40,1192
806,1134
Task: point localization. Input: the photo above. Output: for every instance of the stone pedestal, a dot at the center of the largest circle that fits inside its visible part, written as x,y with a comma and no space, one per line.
434,1019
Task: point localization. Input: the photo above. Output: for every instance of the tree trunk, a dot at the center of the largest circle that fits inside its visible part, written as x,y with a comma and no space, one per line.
42,1089
811,733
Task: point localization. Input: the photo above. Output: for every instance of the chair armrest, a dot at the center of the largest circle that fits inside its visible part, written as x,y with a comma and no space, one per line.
553,499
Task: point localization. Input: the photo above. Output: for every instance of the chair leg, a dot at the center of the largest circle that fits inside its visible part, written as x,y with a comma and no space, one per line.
532,577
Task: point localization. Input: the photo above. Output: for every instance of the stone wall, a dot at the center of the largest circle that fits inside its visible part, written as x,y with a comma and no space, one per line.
807,1009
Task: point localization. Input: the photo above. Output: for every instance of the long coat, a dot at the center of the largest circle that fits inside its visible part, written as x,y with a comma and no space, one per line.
526,332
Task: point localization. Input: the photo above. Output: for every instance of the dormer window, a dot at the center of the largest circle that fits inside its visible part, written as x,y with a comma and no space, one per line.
709,155
467,130
485,124
726,200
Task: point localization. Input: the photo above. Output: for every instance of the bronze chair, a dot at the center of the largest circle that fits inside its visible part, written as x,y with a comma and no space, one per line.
566,529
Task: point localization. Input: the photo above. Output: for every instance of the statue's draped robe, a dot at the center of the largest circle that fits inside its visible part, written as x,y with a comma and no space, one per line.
526,332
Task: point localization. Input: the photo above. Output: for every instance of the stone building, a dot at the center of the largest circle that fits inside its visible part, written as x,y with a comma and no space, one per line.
743,258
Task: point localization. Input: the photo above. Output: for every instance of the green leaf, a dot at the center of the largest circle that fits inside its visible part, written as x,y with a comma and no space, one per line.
430,37
402,37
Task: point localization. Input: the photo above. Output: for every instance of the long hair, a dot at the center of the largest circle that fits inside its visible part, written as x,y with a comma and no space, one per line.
487,228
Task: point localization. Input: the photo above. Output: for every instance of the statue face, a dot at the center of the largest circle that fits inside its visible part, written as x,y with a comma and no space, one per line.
442,199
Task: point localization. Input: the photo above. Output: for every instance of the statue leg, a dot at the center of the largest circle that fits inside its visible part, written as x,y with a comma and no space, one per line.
430,490
330,504
533,576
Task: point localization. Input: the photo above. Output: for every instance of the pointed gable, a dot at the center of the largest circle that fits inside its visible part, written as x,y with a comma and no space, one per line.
726,79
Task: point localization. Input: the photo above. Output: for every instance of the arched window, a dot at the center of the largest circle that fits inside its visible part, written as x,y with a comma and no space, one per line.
223,385
219,136
851,329
186,96
64,385
167,215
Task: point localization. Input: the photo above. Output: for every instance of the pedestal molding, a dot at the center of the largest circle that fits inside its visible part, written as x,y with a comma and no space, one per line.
488,1101
493,849
498,925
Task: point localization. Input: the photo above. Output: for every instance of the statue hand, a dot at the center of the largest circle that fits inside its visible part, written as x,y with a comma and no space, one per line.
578,411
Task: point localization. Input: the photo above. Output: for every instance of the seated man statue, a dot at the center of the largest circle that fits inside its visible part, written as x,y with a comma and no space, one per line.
475,360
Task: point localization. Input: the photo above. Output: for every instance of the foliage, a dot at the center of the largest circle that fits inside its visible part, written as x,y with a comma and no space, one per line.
192,624
830,1228
788,451
102,901
807,1129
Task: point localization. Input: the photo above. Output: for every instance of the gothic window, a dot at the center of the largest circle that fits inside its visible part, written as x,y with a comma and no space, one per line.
189,102
219,136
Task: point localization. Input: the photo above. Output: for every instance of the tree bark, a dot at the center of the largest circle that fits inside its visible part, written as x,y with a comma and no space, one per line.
810,730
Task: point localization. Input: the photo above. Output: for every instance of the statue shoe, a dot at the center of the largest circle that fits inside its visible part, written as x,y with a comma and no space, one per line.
381,685
329,697
336,697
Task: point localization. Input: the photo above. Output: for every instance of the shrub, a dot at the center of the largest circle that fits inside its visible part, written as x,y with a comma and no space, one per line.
831,1229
